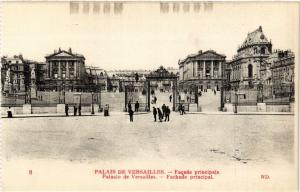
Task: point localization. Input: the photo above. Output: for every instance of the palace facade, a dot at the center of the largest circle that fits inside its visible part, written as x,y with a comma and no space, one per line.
256,66
204,69
65,67
245,67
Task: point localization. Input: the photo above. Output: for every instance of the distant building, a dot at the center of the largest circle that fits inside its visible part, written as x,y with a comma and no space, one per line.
16,74
65,68
119,79
203,69
97,76
39,68
282,74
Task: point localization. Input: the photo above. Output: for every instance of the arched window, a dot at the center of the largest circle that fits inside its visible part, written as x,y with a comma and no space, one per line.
250,71
263,50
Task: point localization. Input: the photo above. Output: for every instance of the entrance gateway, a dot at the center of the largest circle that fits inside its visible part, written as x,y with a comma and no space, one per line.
161,74
141,90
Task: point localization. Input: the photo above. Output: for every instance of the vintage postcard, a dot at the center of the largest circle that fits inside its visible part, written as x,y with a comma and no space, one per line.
149,96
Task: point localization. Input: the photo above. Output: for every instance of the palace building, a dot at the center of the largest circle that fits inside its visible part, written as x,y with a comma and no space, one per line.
260,73
203,69
65,68
16,73
245,66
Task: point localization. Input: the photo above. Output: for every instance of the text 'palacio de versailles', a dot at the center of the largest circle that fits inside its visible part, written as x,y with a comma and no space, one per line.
257,79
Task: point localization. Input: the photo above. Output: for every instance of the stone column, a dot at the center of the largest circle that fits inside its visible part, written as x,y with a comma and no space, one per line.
220,69
75,70
204,72
196,68
50,69
67,70
211,69
59,70
193,69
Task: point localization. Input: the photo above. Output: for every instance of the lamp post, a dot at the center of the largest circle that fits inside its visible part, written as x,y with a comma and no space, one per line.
100,98
260,97
93,111
64,93
236,101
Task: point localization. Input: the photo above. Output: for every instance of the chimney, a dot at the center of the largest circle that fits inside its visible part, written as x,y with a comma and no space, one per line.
54,51
260,29
59,50
70,50
200,51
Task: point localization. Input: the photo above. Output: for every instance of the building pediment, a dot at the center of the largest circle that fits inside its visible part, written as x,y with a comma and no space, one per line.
61,54
64,54
210,55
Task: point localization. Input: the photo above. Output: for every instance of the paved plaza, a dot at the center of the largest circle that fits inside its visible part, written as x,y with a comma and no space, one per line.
247,139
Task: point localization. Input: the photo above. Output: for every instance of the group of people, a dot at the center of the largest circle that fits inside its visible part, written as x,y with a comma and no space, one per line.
181,109
76,107
130,111
162,113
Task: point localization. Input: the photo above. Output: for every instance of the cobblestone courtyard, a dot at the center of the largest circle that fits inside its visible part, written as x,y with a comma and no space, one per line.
247,139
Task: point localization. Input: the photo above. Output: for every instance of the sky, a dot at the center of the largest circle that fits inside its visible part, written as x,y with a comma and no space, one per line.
141,36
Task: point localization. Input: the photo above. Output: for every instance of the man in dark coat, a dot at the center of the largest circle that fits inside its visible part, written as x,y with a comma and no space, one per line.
130,114
79,109
183,109
154,113
160,115
163,108
75,110
180,109
129,106
67,109
9,113
136,106
168,111
170,98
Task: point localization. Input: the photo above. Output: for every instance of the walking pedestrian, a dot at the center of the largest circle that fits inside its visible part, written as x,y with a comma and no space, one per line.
67,109
163,108
160,115
155,99
168,111
183,109
9,113
75,110
154,113
129,106
79,109
130,114
136,106
170,98
180,109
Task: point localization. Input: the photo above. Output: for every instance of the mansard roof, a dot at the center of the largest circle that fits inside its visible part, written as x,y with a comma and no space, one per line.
255,37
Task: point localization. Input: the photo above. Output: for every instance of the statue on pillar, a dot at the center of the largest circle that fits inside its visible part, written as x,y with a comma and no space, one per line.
7,83
15,83
33,91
